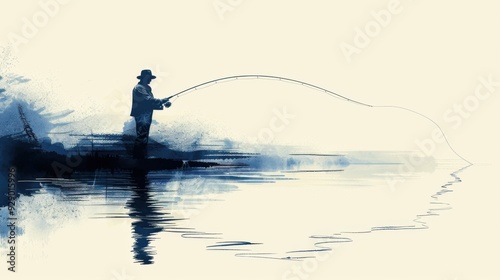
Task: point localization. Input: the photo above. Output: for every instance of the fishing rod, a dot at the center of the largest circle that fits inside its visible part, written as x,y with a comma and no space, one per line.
312,86
264,77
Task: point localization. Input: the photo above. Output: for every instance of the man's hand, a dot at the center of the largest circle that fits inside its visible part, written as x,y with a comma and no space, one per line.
166,103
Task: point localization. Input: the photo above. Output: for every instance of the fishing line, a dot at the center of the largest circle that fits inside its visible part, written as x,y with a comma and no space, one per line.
314,87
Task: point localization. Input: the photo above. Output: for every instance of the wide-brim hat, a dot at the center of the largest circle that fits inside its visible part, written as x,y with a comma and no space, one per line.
146,72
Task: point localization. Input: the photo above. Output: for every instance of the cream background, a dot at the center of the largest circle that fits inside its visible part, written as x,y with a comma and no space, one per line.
428,59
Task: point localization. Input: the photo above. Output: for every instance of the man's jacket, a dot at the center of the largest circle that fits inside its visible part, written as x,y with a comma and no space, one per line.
143,101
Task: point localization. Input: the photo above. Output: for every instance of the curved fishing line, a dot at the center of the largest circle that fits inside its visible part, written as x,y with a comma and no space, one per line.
266,77
326,241
312,86
431,120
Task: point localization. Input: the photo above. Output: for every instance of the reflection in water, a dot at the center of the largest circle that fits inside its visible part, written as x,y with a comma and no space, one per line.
147,208
155,202
147,216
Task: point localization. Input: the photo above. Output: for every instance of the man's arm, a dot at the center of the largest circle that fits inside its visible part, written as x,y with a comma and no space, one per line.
143,95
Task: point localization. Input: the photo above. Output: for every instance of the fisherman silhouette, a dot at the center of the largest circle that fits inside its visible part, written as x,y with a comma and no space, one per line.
143,104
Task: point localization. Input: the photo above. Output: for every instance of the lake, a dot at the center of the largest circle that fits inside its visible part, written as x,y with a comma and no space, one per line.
112,225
